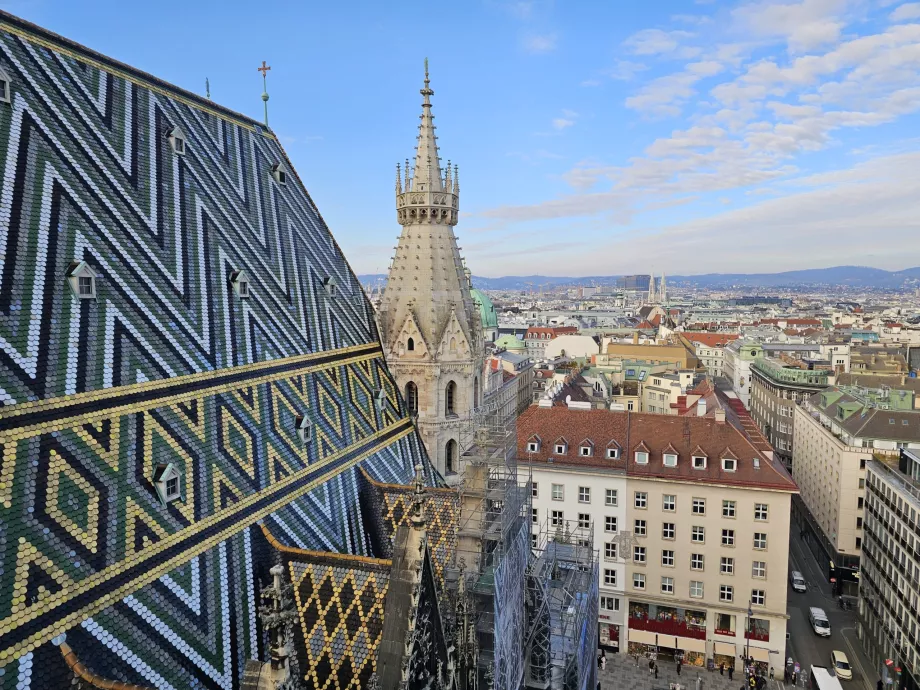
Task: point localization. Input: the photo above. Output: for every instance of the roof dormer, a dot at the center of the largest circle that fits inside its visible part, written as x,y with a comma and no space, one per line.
561,446
699,458
279,173
533,444
5,84
613,450
304,428
167,480
240,282
669,456
586,448
641,454
82,280
176,141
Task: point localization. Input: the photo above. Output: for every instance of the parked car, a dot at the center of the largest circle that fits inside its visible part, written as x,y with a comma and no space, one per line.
841,665
798,582
819,622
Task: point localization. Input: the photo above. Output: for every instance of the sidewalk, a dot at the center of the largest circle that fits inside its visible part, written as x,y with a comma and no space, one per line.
622,674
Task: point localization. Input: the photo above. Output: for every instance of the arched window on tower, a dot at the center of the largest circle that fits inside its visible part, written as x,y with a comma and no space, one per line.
450,457
453,344
476,392
450,397
410,344
412,398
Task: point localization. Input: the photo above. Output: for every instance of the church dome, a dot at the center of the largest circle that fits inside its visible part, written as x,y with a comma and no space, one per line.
486,309
511,343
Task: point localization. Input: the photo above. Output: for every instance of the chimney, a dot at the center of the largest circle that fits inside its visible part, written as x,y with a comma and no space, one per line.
720,416
701,408
635,337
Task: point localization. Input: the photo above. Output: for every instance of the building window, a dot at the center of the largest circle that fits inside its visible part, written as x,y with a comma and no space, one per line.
584,520
699,462
670,460
534,515
610,603
667,585
304,428
586,451
667,530
613,453
761,511
728,537
5,82
450,457
669,502
699,506
759,569
584,494
610,497
727,566
698,534
176,141
610,523
641,500
450,396
533,541
697,561
639,526
166,478
534,490
638,581
728,509
556,518
610,550
410,344
641,458
729,464
639,554
760,540
629,405
726,593
758,597
533,446
412,398
667,558
82,280
279,174
696,589
610,577
561,447
558,492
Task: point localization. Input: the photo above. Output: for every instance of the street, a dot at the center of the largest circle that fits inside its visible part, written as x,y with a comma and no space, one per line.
804,645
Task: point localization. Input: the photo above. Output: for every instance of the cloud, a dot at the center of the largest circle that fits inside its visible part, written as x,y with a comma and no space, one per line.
695,19
540,43
804,25
655,41
666,95
909,10
624,70
562,123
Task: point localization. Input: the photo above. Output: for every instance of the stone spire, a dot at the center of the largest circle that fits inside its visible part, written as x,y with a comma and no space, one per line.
662,291
427,165
651,288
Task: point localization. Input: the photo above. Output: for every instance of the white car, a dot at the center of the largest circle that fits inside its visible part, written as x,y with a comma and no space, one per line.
797,581
841,665
819,622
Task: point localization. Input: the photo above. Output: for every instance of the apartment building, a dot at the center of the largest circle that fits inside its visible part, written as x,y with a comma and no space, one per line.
661,392
776,387
736,367
835,434
889,622
691,524
538,337
709,349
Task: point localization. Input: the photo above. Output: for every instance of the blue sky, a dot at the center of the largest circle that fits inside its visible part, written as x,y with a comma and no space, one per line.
592,137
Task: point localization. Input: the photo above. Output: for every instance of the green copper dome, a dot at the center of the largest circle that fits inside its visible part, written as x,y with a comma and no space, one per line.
486,309
511,343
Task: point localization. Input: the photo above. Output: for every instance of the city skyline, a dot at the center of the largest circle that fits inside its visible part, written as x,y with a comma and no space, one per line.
709,135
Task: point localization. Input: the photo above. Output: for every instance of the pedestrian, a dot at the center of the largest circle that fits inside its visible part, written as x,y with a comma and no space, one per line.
699,681
795,677
603,663
722,670
651,667
656,671
879,685
771,673
678,668
731,670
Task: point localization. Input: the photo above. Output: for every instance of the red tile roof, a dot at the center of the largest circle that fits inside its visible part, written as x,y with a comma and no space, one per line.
712,339
655,432
550,331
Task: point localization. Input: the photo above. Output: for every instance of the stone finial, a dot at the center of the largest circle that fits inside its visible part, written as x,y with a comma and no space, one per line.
418,498
398,179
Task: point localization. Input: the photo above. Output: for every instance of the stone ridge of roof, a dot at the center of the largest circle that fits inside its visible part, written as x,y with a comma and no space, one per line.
42,36
632,430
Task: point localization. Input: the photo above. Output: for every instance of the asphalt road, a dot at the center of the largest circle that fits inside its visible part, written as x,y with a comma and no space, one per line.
804,646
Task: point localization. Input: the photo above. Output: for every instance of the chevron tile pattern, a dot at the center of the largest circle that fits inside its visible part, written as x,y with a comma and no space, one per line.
169,365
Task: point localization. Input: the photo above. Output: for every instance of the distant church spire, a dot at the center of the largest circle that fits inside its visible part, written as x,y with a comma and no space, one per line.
662,291
427,164
651,288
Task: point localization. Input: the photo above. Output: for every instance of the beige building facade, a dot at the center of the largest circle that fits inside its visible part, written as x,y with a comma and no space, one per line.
430,327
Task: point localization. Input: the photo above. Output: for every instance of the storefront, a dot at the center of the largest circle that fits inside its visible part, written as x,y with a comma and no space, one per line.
642,643
724,653
761,658
608,636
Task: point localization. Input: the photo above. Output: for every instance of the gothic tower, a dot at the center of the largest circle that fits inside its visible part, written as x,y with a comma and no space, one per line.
430,327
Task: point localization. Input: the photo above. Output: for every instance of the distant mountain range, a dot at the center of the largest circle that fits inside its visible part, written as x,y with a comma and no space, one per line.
849,276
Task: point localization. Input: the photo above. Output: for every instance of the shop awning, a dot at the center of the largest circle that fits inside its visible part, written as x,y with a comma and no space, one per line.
690,644
760,654
641,636
724,649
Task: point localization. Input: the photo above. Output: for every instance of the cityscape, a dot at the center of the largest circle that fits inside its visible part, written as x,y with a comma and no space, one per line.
628,439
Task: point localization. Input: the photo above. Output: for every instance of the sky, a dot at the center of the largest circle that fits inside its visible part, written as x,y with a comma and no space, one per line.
592,138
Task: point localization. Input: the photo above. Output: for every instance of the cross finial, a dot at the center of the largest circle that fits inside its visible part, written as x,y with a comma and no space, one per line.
264,70
207,88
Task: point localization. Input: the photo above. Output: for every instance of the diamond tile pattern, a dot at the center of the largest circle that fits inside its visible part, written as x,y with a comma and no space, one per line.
169,364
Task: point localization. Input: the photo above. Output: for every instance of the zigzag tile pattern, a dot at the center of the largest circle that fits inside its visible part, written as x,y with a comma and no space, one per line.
167,365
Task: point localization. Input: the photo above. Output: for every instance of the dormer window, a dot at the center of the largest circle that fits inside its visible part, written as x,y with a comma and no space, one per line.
304,428
756,463
670,460
240,282
699,462
279,173
641,457
380,398
176,141
533,447
561,447
586,450
729,464
613,453
167,482
5,81
82,280
331,285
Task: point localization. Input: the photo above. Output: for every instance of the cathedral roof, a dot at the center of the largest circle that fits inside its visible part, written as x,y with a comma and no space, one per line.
486,309
511,343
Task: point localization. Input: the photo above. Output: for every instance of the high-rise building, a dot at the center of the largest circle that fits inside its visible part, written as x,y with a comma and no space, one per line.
430,326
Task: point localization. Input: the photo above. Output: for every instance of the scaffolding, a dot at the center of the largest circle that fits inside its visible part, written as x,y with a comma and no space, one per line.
533,596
